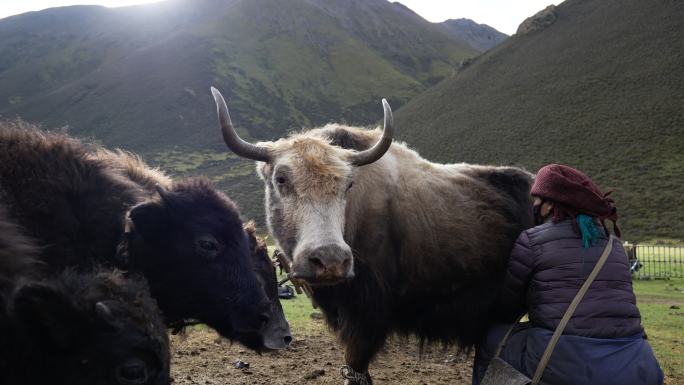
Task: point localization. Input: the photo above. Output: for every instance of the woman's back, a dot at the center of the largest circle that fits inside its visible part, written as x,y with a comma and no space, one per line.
603,342
551,263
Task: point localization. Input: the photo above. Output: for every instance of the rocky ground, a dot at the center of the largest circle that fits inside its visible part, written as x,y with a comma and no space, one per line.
201,357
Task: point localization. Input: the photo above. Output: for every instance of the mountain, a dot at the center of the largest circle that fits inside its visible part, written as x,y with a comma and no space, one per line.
479,36
597,85
139,77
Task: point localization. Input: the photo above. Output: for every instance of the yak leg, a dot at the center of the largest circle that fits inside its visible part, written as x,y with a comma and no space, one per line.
358,354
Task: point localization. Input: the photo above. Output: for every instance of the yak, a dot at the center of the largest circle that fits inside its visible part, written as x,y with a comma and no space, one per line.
276,331
187,240
388,241
95,328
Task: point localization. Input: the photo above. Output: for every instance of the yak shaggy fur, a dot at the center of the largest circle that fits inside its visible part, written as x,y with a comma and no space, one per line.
53,189
14,243
51,331
133,167
430,241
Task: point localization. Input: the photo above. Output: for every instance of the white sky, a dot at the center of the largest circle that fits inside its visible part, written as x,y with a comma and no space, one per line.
504,15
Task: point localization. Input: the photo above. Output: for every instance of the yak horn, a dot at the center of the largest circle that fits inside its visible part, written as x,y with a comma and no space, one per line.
161,191
230,136
102,310
380,148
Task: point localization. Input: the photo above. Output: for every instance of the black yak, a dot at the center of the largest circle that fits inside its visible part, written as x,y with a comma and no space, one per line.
390,242
95,328
187,240
276,331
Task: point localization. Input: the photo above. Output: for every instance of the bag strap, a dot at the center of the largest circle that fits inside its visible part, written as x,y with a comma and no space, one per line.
568,313
505,337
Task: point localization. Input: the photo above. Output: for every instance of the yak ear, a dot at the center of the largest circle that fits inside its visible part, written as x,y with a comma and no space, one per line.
150,219
48,314
263,170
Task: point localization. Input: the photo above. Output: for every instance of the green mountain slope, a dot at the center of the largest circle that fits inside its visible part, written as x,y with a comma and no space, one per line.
139,77
601,88
479,36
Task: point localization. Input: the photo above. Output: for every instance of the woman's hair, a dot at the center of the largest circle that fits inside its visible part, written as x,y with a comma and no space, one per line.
562,212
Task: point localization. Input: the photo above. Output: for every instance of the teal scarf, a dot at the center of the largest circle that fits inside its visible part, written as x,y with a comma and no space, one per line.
587,227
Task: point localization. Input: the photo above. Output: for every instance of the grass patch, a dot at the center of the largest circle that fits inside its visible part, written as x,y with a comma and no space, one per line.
661,290
183,162
663,324
298,312
219,166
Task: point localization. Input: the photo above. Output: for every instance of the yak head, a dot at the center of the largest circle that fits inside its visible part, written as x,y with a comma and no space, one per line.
276,331
307,181
189,243
84,328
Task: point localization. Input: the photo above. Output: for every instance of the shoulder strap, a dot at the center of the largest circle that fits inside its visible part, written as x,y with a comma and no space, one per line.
571,309
502,343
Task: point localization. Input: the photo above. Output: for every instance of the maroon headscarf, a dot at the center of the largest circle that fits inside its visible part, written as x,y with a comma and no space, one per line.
576,193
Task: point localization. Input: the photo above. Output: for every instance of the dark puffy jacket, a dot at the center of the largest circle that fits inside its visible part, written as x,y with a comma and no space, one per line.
547,267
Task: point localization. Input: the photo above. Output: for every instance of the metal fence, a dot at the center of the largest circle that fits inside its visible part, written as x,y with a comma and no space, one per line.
655,261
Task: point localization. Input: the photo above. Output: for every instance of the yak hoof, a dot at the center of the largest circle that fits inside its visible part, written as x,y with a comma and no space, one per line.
352,377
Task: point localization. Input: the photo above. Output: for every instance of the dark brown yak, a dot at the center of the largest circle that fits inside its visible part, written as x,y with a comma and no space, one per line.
187,241
95,328
276,332
391,243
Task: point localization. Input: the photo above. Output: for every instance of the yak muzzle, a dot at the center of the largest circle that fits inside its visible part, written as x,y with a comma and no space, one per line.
324,265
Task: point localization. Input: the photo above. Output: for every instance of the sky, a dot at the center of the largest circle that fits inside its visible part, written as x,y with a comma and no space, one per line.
504,15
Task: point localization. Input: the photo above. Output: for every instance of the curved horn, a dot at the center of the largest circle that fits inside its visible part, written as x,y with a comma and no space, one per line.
103,311
380,148
162,191
230,136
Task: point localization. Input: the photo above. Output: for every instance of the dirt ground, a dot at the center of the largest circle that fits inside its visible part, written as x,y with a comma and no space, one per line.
201,357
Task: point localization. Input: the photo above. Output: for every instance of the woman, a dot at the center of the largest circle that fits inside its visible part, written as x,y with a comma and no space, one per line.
604,342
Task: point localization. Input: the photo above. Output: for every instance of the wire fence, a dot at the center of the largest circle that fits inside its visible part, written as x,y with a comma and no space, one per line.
655,261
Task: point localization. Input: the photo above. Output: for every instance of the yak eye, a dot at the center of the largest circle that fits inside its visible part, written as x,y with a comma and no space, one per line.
132,372
280,180
350,185
207,246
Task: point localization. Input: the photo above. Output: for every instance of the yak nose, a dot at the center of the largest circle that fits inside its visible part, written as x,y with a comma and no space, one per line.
279,339
327,264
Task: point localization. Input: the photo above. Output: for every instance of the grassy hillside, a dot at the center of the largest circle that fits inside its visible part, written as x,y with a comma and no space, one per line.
139,77
479,36
601,89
